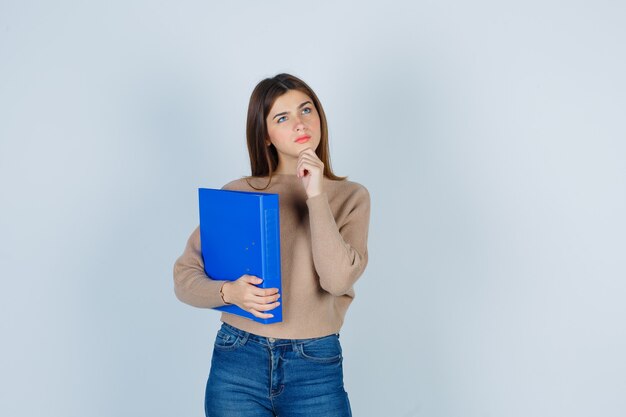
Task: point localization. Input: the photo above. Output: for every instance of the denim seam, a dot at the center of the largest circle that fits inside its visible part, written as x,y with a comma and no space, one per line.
332,359
226,337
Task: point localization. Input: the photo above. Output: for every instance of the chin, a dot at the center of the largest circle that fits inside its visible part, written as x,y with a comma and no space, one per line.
315,145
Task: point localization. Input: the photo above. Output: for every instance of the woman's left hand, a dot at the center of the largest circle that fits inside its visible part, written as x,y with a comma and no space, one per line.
310,169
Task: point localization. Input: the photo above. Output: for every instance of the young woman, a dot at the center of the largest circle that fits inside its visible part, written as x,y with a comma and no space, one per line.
292,368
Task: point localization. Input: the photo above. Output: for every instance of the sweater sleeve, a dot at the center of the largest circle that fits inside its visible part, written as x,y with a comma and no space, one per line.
191,284
339,250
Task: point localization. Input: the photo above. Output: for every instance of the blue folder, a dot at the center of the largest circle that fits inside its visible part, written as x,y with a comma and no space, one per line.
240,234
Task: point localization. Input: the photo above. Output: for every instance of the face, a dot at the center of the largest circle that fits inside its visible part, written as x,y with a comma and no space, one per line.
293,124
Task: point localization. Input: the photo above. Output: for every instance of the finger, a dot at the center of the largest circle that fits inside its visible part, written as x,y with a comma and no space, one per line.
307,166
310,158
269,291
266,307
267,300
309,161
251,279
253,300
261,315
308,151
314,160
261,307
264,292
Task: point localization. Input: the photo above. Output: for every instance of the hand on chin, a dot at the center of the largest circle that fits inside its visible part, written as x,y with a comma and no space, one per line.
310,169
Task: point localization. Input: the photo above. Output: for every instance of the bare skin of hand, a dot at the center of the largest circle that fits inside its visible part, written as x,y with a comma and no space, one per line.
310,169
244,293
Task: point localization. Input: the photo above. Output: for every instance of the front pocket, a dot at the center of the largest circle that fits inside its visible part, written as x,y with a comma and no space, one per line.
323,350
226,341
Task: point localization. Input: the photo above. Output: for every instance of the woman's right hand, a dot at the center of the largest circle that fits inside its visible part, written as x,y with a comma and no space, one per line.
246,295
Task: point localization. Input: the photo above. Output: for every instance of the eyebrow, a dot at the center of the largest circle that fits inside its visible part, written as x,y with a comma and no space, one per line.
300,106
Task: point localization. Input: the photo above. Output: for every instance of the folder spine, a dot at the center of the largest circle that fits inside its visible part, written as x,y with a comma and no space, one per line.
271,243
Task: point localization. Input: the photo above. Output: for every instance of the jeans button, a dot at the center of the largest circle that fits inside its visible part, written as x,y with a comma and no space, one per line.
272,340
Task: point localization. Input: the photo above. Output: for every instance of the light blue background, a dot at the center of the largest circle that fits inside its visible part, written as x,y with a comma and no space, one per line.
490,134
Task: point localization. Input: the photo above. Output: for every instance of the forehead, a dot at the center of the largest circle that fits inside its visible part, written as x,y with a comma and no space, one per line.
288,101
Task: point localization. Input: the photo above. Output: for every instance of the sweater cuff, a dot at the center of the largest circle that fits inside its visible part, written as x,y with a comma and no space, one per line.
319,209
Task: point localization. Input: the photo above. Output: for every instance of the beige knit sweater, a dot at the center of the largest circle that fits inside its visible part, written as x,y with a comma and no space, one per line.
323,244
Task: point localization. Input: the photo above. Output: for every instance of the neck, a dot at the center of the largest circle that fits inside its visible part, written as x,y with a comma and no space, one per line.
286,167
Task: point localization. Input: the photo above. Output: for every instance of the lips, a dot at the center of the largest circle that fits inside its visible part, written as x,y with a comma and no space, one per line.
303,139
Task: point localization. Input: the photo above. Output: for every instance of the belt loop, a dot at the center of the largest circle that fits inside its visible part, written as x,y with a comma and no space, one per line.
294,345
244,337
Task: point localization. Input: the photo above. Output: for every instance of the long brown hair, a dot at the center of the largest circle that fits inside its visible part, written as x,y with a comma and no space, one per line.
263,158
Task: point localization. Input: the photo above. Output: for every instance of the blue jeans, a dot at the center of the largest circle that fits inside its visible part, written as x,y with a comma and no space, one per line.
254,376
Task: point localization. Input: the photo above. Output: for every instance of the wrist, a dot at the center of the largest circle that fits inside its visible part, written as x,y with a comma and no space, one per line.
222,292
314,194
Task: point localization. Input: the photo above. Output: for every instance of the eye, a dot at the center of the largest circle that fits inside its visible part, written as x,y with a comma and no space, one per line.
306,110
281,119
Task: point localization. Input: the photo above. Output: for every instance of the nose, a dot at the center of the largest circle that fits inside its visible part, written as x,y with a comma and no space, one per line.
299,124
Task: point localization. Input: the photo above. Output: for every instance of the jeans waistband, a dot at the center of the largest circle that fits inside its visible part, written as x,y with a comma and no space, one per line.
247,336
